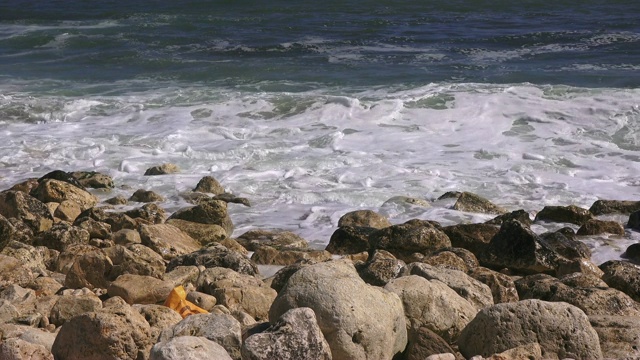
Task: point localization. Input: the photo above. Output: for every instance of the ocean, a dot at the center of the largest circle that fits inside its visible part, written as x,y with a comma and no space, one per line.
313,109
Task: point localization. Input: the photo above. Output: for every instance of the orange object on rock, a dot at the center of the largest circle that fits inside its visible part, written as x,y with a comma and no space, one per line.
177,300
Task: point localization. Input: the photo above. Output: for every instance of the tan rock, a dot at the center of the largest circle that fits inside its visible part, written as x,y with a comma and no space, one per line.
140,289
366,218
18,349
51,190
22,206
267,255
167,240
90,271
68,306
204,234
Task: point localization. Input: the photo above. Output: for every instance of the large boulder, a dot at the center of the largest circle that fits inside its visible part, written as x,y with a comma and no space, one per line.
596,227
414,236
216,255
50,190
69,306
561,330
624,276
207,212
140,289
188,348
604,207
296,335
268,255
22,206
473,237
433,305
167,240
564,214
358,321
471,202
350,240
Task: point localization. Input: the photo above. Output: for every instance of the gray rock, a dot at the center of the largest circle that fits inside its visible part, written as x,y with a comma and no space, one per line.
619,335
254,239
18,349
188,348
267,255
216,255
424,343
561,330
69,306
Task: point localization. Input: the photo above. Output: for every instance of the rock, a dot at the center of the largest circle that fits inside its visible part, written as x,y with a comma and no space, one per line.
186,276
380,268
27,333
237,291
216,255
22,206
62,176
114,332
117,200
118,221
140,289
8,311
564,214
14,272
92,179
624,276
632,253
364,218
159,317
475,292
188,348
519,215
204,234
68,210
51,190
619,336
69,306
146,196
253,239
425,343
25,186
470,202
596,227
126,237
267,255
527,351
561,330
163,169
8,233
503,289
96,229
202,300
296,335
281,277
633,223
150,213
208,212
38,259
433,305
61,236
208,184
565,246
135,259
90,271
411,237
518,248
358,321
584,266
605,207
582,280
45,286
450,260
65,259
230,198
473,237
18,349
167,240
219,328
350,240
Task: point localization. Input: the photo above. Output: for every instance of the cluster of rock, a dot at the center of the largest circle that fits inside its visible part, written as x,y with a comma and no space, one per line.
81,279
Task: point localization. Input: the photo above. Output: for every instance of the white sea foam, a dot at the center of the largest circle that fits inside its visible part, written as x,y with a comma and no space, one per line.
304,159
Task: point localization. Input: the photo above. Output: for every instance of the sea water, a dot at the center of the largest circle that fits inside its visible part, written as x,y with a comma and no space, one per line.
313,109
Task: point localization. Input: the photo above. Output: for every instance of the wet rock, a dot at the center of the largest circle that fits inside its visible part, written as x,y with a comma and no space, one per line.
208,212
51,190
89,270
253,239
219,328
167,240
596,227
216,255
188,348
634,221
117,200
230,198
584,266
604,207
33,212
411,237
632,253
433,305
208,184
18,349
267,255
163,169
619,336
146,196
371,321
564,214
140,289
519,215
204,234
569,248
380,268
473,237
470,202
295,335
68,306
622,275
561,330
114,332
364,218
93,179
350,240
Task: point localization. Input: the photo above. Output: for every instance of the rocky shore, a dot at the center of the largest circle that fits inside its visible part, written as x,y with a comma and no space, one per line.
82,278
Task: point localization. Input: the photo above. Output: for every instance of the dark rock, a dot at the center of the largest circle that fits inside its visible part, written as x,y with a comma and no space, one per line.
22,206
519,215
570,249
118,221
92,179
230,198
451,260
204,234
89,271
96,229
8,233
624,276
208,184
470,202
51,190
146,196
163,169
564,214
209,212
473,237
267,255
411,237
503,288
596,227
633,253
60,175
619,336
634,220
364,218
582,280
350,240
216,255
380,268
61,236
152,213
281,277
253,239
117,200
604,207
424,343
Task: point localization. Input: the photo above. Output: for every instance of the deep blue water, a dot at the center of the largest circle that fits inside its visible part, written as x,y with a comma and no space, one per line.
285,45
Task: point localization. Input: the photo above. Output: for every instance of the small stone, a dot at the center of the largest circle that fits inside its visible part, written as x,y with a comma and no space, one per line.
146,196
208,184
364,218
163,169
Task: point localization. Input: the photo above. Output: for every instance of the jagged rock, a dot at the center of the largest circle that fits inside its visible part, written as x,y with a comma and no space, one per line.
50,190
33,212
564,214
380,268
634,220
65,259
208,212
423,343
8,233
364,218
619,336
294,336
18,349
68,306
90,271
45,286
519,215
163,169
38,259
96,229
253,239
470,202
152,213
473,237
67,210
216,255
93,179
582,280
604,207
503,289
358,321
450,260
208,184
25,186
114,332
61,236
350,240
220,328
167,240
8,311
433,305
140,289
561,330
624,276
233,245
14,272
230,198
27,333
267,255
159,317
411,237
475,292
146,196
62,176
596,227
135,259
204,234
118,221
565,246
